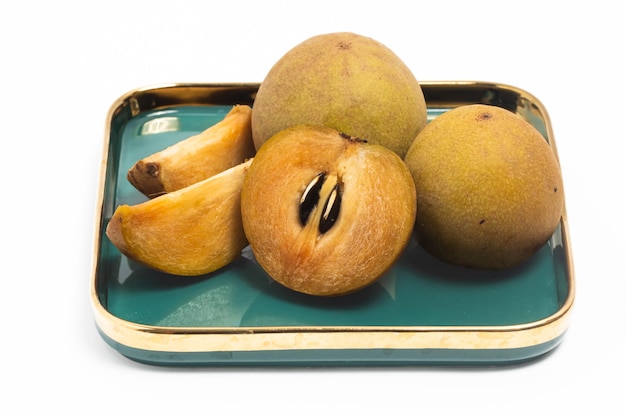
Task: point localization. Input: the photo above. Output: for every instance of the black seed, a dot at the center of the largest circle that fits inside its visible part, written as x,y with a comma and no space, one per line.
310,197
331,210
482,221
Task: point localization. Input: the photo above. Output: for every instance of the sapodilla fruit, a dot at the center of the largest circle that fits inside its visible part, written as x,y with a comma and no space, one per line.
349,82
326,214
489,187
198,157
192,231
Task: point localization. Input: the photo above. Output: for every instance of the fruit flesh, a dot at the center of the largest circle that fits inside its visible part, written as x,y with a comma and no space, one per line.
345,81
489,187
374,222
189,232
219,147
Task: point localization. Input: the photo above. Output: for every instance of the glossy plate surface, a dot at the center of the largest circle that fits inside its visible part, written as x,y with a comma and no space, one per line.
422,312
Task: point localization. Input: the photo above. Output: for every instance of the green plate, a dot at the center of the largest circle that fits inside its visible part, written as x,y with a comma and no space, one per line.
422,312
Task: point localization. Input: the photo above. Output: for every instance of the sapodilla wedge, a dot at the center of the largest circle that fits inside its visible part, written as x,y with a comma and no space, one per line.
219,147
189,232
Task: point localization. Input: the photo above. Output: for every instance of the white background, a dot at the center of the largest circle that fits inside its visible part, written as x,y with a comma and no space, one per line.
63,65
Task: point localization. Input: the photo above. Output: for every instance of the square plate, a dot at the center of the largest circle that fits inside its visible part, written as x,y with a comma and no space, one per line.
422,312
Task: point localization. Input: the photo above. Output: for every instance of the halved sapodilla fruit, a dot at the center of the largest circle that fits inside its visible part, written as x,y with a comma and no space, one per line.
198,157
192,231
326,214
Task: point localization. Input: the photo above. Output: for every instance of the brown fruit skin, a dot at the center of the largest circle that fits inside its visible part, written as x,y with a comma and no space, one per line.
198,157
192,231
375,221
345,81
489,187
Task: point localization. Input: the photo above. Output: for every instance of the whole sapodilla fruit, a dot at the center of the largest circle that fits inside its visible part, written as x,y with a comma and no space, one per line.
489,187
325,213
351,83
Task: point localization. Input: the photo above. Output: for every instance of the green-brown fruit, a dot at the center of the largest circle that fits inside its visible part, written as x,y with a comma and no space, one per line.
345,81
489,187
326,214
